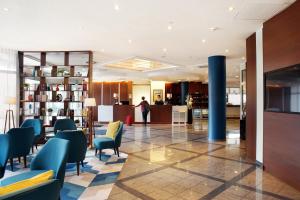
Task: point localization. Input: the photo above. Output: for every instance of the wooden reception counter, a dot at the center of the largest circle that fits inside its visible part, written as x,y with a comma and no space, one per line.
159,114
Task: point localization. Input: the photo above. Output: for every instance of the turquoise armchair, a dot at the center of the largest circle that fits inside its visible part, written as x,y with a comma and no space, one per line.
53,156
37,127
63,125
109,143
78,146
4,153
20,140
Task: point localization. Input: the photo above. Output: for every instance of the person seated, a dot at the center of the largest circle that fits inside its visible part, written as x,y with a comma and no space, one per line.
159,100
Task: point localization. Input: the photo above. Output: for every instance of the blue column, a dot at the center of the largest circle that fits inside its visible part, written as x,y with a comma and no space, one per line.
217,98
184,86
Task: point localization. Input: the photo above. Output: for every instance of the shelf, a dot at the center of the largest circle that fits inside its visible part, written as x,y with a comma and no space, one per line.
54,90
54,77
51,101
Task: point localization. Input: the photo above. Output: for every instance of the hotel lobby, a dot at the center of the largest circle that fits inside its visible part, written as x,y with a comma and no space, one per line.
137,99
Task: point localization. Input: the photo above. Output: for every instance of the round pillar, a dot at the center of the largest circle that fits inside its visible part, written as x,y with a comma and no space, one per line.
217,98
184,87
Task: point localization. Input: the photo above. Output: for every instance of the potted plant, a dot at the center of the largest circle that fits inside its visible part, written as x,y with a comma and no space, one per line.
50,110
26,86
60,72
77,122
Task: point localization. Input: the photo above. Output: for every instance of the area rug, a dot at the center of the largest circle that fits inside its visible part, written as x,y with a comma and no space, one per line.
96,178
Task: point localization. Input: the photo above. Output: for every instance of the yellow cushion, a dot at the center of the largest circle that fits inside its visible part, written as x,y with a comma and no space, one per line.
36,180
112,129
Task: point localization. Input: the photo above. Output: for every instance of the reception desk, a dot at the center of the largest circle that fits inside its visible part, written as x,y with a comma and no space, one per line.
159,114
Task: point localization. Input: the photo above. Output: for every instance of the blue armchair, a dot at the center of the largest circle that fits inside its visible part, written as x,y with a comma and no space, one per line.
109,143
63,125
20,140
4,153
78,146
53,156
37,126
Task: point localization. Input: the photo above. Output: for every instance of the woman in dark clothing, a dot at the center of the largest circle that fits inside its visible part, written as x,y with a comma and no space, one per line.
145,108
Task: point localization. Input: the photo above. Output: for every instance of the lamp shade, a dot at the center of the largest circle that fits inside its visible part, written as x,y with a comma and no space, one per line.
10,100
88,102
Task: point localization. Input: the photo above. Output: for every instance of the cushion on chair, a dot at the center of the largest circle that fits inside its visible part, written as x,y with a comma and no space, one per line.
20,177
25,183
104,143
112,129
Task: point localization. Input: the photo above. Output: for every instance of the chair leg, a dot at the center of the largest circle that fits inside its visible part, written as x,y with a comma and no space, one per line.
100,153
36,146
19,158
11,160
82,164
78,166
118,151
25,162
115,151
96,151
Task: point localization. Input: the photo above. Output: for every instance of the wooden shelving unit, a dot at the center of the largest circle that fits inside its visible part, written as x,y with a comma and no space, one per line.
57,80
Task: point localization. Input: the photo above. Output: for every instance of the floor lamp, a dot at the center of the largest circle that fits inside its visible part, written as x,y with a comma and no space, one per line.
9,116
89,103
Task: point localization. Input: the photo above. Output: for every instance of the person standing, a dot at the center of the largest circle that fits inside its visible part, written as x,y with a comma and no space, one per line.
145,108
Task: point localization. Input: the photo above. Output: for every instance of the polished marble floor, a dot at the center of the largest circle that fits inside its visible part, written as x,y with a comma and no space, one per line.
166,162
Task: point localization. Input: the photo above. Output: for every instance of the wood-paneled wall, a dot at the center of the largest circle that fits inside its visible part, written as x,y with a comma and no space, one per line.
103,93
281,41
251,97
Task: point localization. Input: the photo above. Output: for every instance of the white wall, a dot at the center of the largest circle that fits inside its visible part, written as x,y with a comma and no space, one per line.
157,85
137,92
259,95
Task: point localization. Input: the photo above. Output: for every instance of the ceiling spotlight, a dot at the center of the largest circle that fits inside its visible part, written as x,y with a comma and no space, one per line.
117,7
243,58
213,28
164,49
129,41
203,40
230,9
226,50
5,9
102,50
237,77
170,27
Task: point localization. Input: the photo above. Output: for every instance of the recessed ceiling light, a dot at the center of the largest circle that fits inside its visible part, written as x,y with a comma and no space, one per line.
170,27
226,50
237,77
230,8
213,28
116,6
129,41
102,50
243,58
5,9
203,40
164,49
